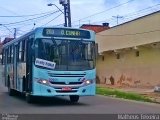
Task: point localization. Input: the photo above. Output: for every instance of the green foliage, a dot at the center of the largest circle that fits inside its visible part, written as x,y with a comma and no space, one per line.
121,94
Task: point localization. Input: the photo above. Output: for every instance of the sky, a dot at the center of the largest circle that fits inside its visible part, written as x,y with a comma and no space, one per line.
25,15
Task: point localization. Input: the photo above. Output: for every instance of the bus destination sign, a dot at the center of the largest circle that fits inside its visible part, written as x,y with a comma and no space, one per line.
69,33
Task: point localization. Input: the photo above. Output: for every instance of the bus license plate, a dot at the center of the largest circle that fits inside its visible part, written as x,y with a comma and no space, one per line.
66,89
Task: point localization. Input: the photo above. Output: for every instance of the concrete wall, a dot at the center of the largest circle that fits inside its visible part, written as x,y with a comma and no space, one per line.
129,69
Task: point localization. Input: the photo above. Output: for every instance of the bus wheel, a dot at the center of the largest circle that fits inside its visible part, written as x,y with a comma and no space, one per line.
29,98
74,98
10,91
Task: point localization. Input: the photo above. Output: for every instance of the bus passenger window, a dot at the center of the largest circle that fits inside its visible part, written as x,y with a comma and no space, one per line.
23,51
2,57
11,54
20,51
8,55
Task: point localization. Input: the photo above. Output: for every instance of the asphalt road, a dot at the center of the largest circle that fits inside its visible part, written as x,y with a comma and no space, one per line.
87,105
61,105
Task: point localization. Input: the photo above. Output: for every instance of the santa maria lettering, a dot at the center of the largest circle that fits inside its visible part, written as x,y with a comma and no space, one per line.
45,63
70,33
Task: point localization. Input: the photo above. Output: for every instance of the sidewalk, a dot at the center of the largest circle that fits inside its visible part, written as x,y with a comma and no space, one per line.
148,92
2,87
0,73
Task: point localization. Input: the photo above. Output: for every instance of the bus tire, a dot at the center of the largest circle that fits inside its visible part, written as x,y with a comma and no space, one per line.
24,84
29,98
10,91
74,98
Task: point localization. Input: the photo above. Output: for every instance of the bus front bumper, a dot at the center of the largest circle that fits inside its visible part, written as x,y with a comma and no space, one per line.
49,91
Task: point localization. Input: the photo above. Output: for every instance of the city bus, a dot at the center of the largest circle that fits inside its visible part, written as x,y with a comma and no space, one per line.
51,61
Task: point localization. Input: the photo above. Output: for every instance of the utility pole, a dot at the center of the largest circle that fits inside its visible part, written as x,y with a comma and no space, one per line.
15,33
67,12
117,17
65,15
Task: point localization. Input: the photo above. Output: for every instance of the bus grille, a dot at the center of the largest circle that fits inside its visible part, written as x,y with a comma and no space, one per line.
63,83
60,91
66,75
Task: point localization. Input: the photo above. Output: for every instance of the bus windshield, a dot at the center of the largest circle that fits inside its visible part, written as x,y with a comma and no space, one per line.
66,54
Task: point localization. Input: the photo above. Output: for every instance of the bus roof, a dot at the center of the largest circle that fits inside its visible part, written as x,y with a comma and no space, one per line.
41,28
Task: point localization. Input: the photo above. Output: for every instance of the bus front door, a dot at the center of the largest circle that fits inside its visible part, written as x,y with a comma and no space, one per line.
29,57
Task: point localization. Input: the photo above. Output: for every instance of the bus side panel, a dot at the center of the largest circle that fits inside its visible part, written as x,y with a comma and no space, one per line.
2,73
5,70
21,72
10,74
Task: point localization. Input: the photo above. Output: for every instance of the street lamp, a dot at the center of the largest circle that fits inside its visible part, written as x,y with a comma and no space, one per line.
59,10
67,13
50,4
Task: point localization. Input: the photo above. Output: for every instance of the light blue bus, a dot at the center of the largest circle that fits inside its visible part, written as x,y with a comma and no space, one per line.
51,61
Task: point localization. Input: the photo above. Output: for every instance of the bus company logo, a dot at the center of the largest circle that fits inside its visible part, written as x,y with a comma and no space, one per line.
67,82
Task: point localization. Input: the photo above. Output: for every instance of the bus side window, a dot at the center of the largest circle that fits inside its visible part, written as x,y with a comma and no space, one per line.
11,54
2,60
5,56
8,55
23,51
20,51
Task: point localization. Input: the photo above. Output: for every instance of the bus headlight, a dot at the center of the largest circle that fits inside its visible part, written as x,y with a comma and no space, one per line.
87,82
43,81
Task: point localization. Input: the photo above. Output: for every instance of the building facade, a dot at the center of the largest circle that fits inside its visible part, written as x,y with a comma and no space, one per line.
129,54
2,43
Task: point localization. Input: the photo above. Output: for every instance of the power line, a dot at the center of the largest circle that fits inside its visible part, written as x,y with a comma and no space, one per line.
117,18
28,15
140,11
46,23
44,16
105,10
52,20
31,18
21,25
3,8
127,16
